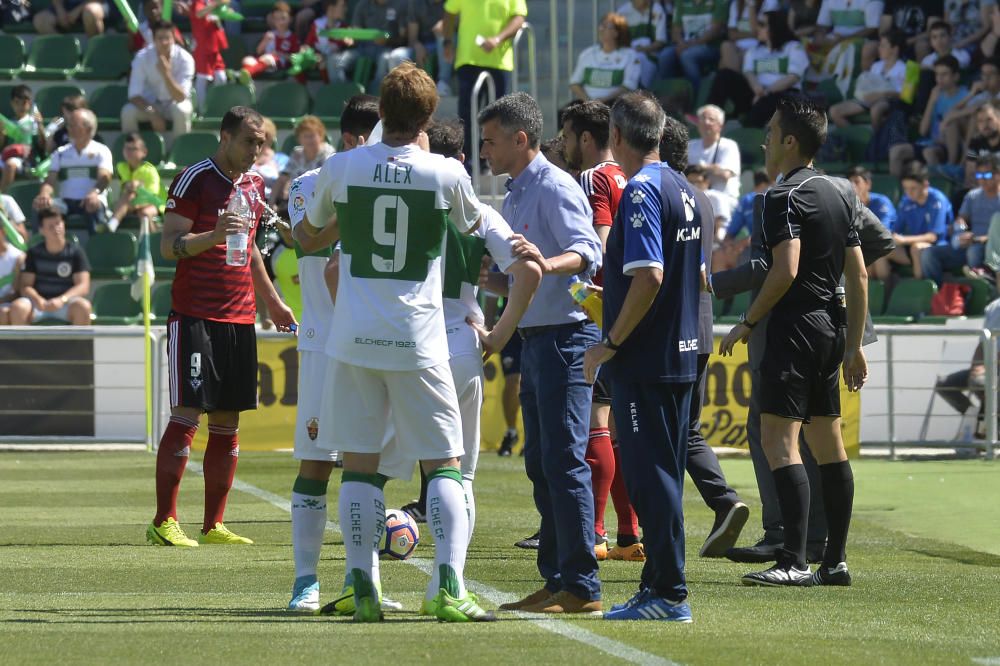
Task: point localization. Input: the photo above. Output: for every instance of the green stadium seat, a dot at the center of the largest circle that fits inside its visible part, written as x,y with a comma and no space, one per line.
737,306
162,267
829,90
284,103
980,297
11,58
704,88
154,144
330,100
191,148
113,305
107,102
876,297
677,91
364,68
234,54
162,300
219,99
942,183
52,57
24,193
857,138
750,140
112,255
49,98
718,307
887,184
107,58
910,300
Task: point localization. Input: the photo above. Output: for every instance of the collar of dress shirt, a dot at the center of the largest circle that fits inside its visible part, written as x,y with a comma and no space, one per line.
529,174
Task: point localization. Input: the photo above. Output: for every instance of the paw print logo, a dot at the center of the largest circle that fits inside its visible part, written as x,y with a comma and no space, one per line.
637,196
637,220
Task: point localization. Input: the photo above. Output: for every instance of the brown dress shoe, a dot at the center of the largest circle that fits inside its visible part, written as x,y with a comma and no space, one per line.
565,602
533,598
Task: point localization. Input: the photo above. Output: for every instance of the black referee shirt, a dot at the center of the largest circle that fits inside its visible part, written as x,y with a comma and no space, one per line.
809,206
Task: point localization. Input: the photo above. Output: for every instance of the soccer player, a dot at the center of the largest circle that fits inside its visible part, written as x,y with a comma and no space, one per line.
212,345
585,134
316,463
388,341
652,281
809,231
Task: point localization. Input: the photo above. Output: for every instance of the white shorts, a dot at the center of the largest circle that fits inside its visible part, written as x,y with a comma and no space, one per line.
309,415
424,410
467,372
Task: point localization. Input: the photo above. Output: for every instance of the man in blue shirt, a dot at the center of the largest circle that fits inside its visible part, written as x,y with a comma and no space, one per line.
652,283
547,207
881,205
736,244
923,218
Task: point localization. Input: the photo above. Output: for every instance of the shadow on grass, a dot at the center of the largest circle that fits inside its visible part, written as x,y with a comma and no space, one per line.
189,614
957,553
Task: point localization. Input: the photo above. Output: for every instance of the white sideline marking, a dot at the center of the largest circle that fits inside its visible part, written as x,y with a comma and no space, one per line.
570,631
987,661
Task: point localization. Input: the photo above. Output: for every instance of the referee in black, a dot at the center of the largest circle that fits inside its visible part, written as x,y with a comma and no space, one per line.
809,235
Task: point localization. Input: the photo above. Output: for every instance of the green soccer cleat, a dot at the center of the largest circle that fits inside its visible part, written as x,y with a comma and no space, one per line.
220,534
466,609
366,598
169,533
343,605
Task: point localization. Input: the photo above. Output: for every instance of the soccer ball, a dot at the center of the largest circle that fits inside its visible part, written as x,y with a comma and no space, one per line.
401,535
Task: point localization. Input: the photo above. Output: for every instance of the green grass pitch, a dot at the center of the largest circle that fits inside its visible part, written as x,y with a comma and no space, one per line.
78,584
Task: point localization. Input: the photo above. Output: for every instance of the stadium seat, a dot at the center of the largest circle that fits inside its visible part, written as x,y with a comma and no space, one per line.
49,98
330,100
113,305
887,184
876,297
24,193
738,305
910,300
234,54
219,99
284,103
162,267
857,138
112,255
942,183
52,57
676,92
364,68
979,298
704,88
154,144
107,102
162,300
11,58
107,58
750,140
191,148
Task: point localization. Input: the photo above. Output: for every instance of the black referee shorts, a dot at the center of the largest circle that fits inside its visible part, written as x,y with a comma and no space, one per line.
602,391
213,364
800,367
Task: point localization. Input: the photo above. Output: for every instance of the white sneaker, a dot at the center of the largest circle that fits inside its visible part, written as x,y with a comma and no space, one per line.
390,605
444,90
305,595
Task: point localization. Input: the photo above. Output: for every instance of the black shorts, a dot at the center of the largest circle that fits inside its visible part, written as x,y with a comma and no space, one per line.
213,364
510,356
602,391
800,368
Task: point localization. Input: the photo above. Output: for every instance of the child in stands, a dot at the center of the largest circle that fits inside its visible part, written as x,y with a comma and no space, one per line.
276,46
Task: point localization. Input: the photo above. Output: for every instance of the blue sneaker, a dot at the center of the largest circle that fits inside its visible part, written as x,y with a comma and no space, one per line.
638,597
305,595
652,607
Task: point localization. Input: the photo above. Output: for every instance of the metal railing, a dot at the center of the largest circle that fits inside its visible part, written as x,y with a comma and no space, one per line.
529,30
491,94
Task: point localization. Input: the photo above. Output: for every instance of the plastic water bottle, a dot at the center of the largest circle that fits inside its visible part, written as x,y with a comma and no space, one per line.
236,244
54,125
958,228
589,301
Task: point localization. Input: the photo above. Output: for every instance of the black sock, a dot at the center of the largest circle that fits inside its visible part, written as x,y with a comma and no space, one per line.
626,540
422,502
838,498
792,485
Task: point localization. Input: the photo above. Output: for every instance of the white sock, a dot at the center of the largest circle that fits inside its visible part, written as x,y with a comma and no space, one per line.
470,503
308,524
448,516
362,522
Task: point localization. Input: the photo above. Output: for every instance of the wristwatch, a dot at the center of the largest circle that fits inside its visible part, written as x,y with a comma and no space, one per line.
607,343
746,322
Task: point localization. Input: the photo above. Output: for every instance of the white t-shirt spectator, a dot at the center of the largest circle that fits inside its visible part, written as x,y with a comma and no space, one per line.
961,55
602,73
78,169
845,17
742,21
8,261
11,209
722,206
772,66
726,153
647,26
147,82
896,75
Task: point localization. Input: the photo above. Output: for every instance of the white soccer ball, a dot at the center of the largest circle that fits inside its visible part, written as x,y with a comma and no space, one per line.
401,535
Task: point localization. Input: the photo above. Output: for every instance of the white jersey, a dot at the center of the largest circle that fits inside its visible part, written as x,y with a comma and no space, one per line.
726,153
846,17
742,22
495,233
317,307
393,206
771,66
601,73
647,26
78,169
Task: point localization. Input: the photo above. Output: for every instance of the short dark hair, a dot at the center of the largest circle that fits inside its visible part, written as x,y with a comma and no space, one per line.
949,61
447,137
73,102
916,171
592,116
236,116
989,159
696,170
858,171
134,137
21,92
760,177
554,145
516,112
942,25
162,25
360,115
802,118
46,213
674,143
561,113
896,37
639,117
